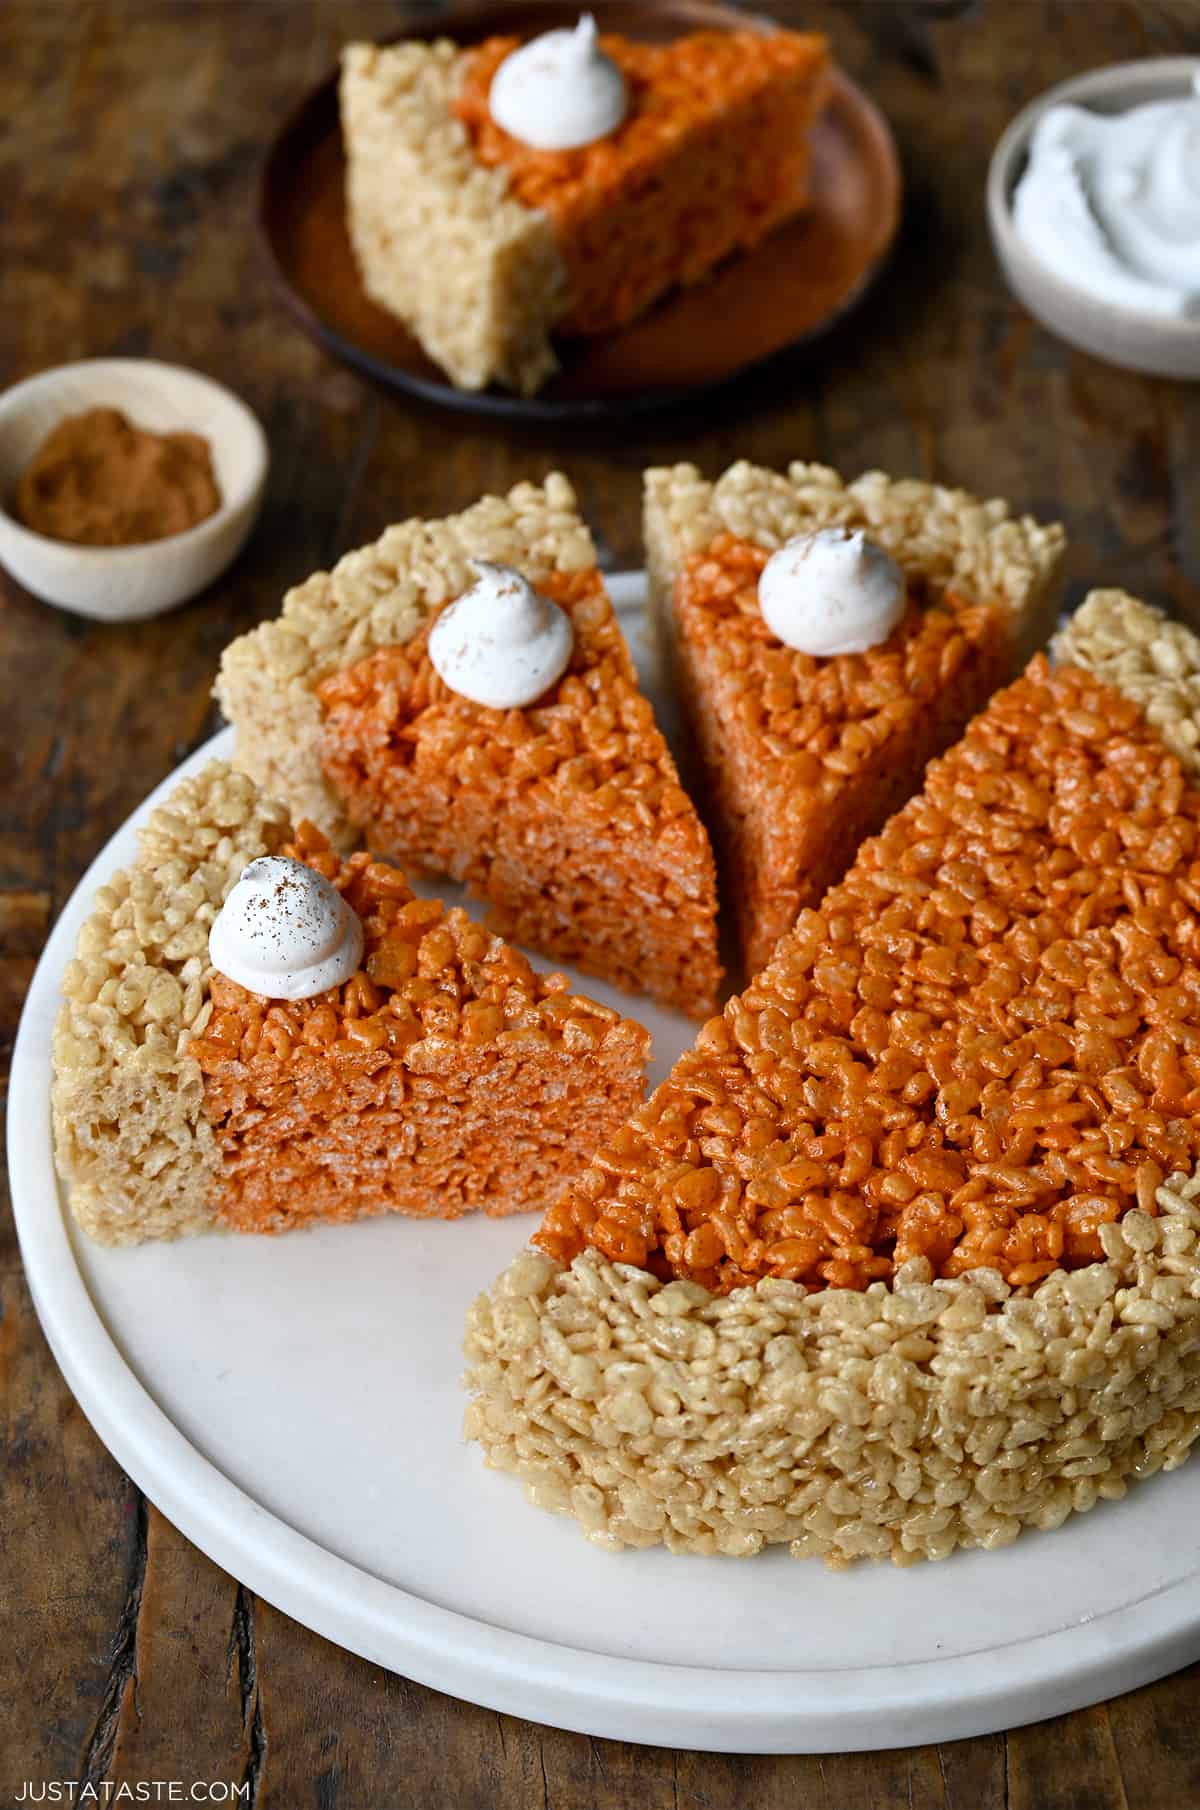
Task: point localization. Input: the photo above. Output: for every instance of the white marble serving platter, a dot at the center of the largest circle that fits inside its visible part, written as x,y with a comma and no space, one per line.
294,1405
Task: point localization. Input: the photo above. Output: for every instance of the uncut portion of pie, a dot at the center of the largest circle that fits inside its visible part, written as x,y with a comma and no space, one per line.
905,1253
565,814
485,242
440,1076
802,756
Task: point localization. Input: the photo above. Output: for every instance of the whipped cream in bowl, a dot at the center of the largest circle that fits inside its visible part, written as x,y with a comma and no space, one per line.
501,643
1111,202
559,91
285,932
831,591
1094,205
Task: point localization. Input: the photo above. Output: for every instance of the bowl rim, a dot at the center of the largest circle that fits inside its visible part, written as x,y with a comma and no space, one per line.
243,498
1141,79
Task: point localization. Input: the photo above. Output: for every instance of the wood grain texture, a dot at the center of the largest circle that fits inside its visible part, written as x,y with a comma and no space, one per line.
127,179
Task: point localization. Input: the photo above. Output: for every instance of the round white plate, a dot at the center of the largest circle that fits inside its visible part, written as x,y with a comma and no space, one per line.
294,1405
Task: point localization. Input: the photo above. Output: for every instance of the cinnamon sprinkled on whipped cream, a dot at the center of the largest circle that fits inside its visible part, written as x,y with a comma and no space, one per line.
285,932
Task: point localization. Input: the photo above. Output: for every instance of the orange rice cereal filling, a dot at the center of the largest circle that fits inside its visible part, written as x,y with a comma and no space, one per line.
804,757
566,816
712,154
982,1047
444,1076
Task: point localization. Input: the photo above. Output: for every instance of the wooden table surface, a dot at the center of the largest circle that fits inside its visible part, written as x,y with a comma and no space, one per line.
127,172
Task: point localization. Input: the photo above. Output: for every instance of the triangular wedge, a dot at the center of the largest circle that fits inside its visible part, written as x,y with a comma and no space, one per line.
801,758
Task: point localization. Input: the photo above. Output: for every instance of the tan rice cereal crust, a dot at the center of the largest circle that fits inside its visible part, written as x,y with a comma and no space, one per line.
897,1423
802,758
130,1133
1154,661
440,240
375,597
918,1412
943,538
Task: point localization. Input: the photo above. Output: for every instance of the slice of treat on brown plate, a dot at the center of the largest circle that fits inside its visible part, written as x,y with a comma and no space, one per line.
357,1050
813,728
563,810
904,1255
486,242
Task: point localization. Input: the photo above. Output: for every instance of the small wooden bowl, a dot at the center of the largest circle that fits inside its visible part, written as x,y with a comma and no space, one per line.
790,289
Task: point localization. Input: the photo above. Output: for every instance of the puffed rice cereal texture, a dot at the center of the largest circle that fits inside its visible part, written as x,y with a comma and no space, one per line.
896,1421
131,1138
800,759
439,238
893,1423
1154,661
945,539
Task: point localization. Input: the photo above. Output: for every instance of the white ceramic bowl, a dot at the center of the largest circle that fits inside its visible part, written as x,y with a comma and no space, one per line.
1122,336
124,584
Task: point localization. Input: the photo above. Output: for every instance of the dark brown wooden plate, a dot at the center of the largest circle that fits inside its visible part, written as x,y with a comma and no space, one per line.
788,290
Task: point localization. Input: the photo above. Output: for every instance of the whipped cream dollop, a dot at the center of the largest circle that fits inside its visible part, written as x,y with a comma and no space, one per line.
559,91
831,592
501,643
1111,203
285,932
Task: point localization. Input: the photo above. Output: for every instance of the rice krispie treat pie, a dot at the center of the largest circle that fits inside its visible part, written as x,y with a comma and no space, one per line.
341,1049
905,1254
557,802
499,194
828,639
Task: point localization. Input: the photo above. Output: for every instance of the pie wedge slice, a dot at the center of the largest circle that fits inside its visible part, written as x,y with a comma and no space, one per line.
486,246
800,758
